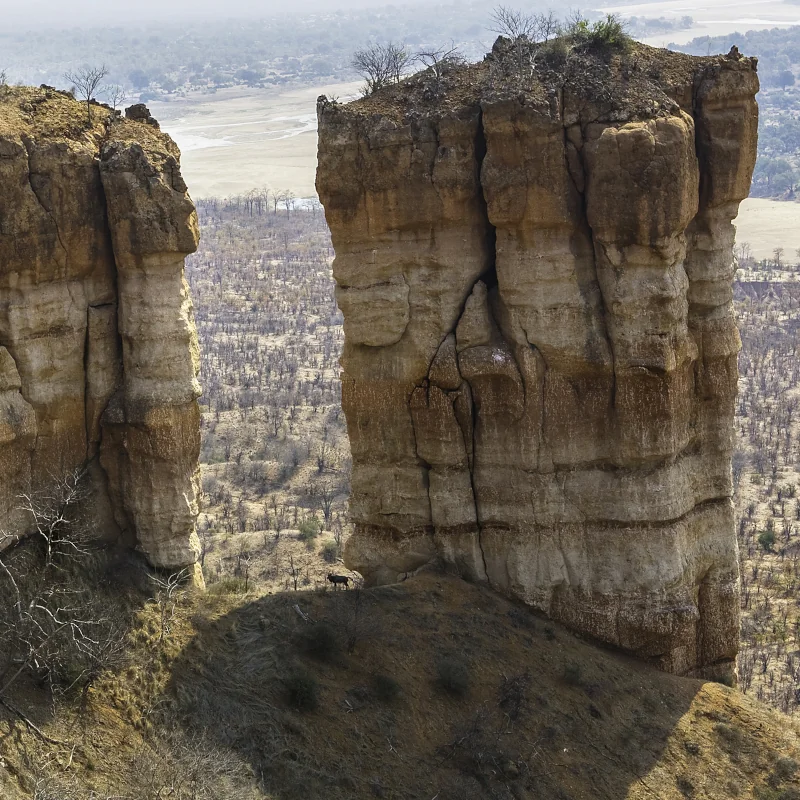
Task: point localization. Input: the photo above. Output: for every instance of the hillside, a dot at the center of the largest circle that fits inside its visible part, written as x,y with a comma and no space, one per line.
450,691
272,483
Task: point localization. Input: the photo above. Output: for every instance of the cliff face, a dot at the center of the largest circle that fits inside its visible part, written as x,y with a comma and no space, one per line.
539,370
98,349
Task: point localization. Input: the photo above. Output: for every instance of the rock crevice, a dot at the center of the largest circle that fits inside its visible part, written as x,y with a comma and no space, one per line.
553,416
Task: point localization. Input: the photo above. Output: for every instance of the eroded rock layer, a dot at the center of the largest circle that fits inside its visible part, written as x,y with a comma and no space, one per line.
98,349
539,370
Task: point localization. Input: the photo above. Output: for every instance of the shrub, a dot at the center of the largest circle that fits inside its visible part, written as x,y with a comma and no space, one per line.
330,552
766,540
605,34
309,530
319,641
732,739
555,51
385,687
784,770
302,691
512,694
452,675
228,586
573,674
685,786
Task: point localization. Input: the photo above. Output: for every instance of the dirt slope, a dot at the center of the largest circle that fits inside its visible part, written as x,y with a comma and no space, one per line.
450,692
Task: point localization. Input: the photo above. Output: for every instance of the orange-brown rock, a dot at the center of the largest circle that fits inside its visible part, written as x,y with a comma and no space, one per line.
98,349
540,350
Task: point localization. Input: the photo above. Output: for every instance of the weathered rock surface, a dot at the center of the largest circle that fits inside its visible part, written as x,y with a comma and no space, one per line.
98,349
540,350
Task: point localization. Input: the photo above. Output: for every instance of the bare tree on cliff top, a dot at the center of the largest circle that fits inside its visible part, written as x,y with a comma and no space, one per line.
523,30
87,83
116,96
439,59
380,65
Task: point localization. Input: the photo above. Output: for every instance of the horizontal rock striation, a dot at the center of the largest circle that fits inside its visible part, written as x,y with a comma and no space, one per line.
539,369
98,349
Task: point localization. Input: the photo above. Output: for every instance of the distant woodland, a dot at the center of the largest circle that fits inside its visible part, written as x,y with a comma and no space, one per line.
275,454
153,60
777,171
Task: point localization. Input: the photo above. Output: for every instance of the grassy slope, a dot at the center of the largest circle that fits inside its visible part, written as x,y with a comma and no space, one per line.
544,714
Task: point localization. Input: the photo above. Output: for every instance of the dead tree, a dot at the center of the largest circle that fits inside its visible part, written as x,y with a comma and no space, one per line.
87,82
523,30
51,627
381,65
116,95
439,59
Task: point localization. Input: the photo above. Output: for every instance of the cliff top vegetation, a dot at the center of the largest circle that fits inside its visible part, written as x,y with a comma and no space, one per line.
597,63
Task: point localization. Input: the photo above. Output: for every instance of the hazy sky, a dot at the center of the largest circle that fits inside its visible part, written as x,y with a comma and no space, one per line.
30,13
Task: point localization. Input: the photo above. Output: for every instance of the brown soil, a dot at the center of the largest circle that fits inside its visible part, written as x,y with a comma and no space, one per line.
477,698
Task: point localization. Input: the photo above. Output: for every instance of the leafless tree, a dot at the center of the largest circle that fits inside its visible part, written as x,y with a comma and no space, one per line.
439,59
743,253
51,629
523,30
87,83
293,572
381,65
116,95
53,515
167,591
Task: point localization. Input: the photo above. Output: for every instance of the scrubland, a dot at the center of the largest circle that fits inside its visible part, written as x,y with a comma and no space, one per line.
273,684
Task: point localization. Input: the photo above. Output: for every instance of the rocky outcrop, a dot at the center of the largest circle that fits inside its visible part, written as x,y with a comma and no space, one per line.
98,348
539,368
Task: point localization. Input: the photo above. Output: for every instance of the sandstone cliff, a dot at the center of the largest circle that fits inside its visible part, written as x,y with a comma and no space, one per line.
98,349
539,370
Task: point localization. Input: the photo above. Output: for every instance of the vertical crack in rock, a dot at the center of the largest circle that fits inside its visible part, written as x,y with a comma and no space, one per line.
86,387
46,207
580,189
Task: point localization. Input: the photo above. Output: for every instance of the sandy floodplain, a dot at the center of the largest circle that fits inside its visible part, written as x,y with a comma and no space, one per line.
240,139
711,17
767,224
237,140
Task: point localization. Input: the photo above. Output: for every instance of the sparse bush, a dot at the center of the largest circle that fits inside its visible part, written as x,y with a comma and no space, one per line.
318,641
57,625
380,65
512,694
309,530
330,552
385,687
766,540
606,35
476,749
573,674
452,675
302,690
784,770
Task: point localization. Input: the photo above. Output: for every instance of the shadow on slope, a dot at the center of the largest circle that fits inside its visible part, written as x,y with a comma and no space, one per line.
438,688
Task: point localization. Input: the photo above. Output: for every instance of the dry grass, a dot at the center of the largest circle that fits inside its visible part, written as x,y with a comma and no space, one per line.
211,700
